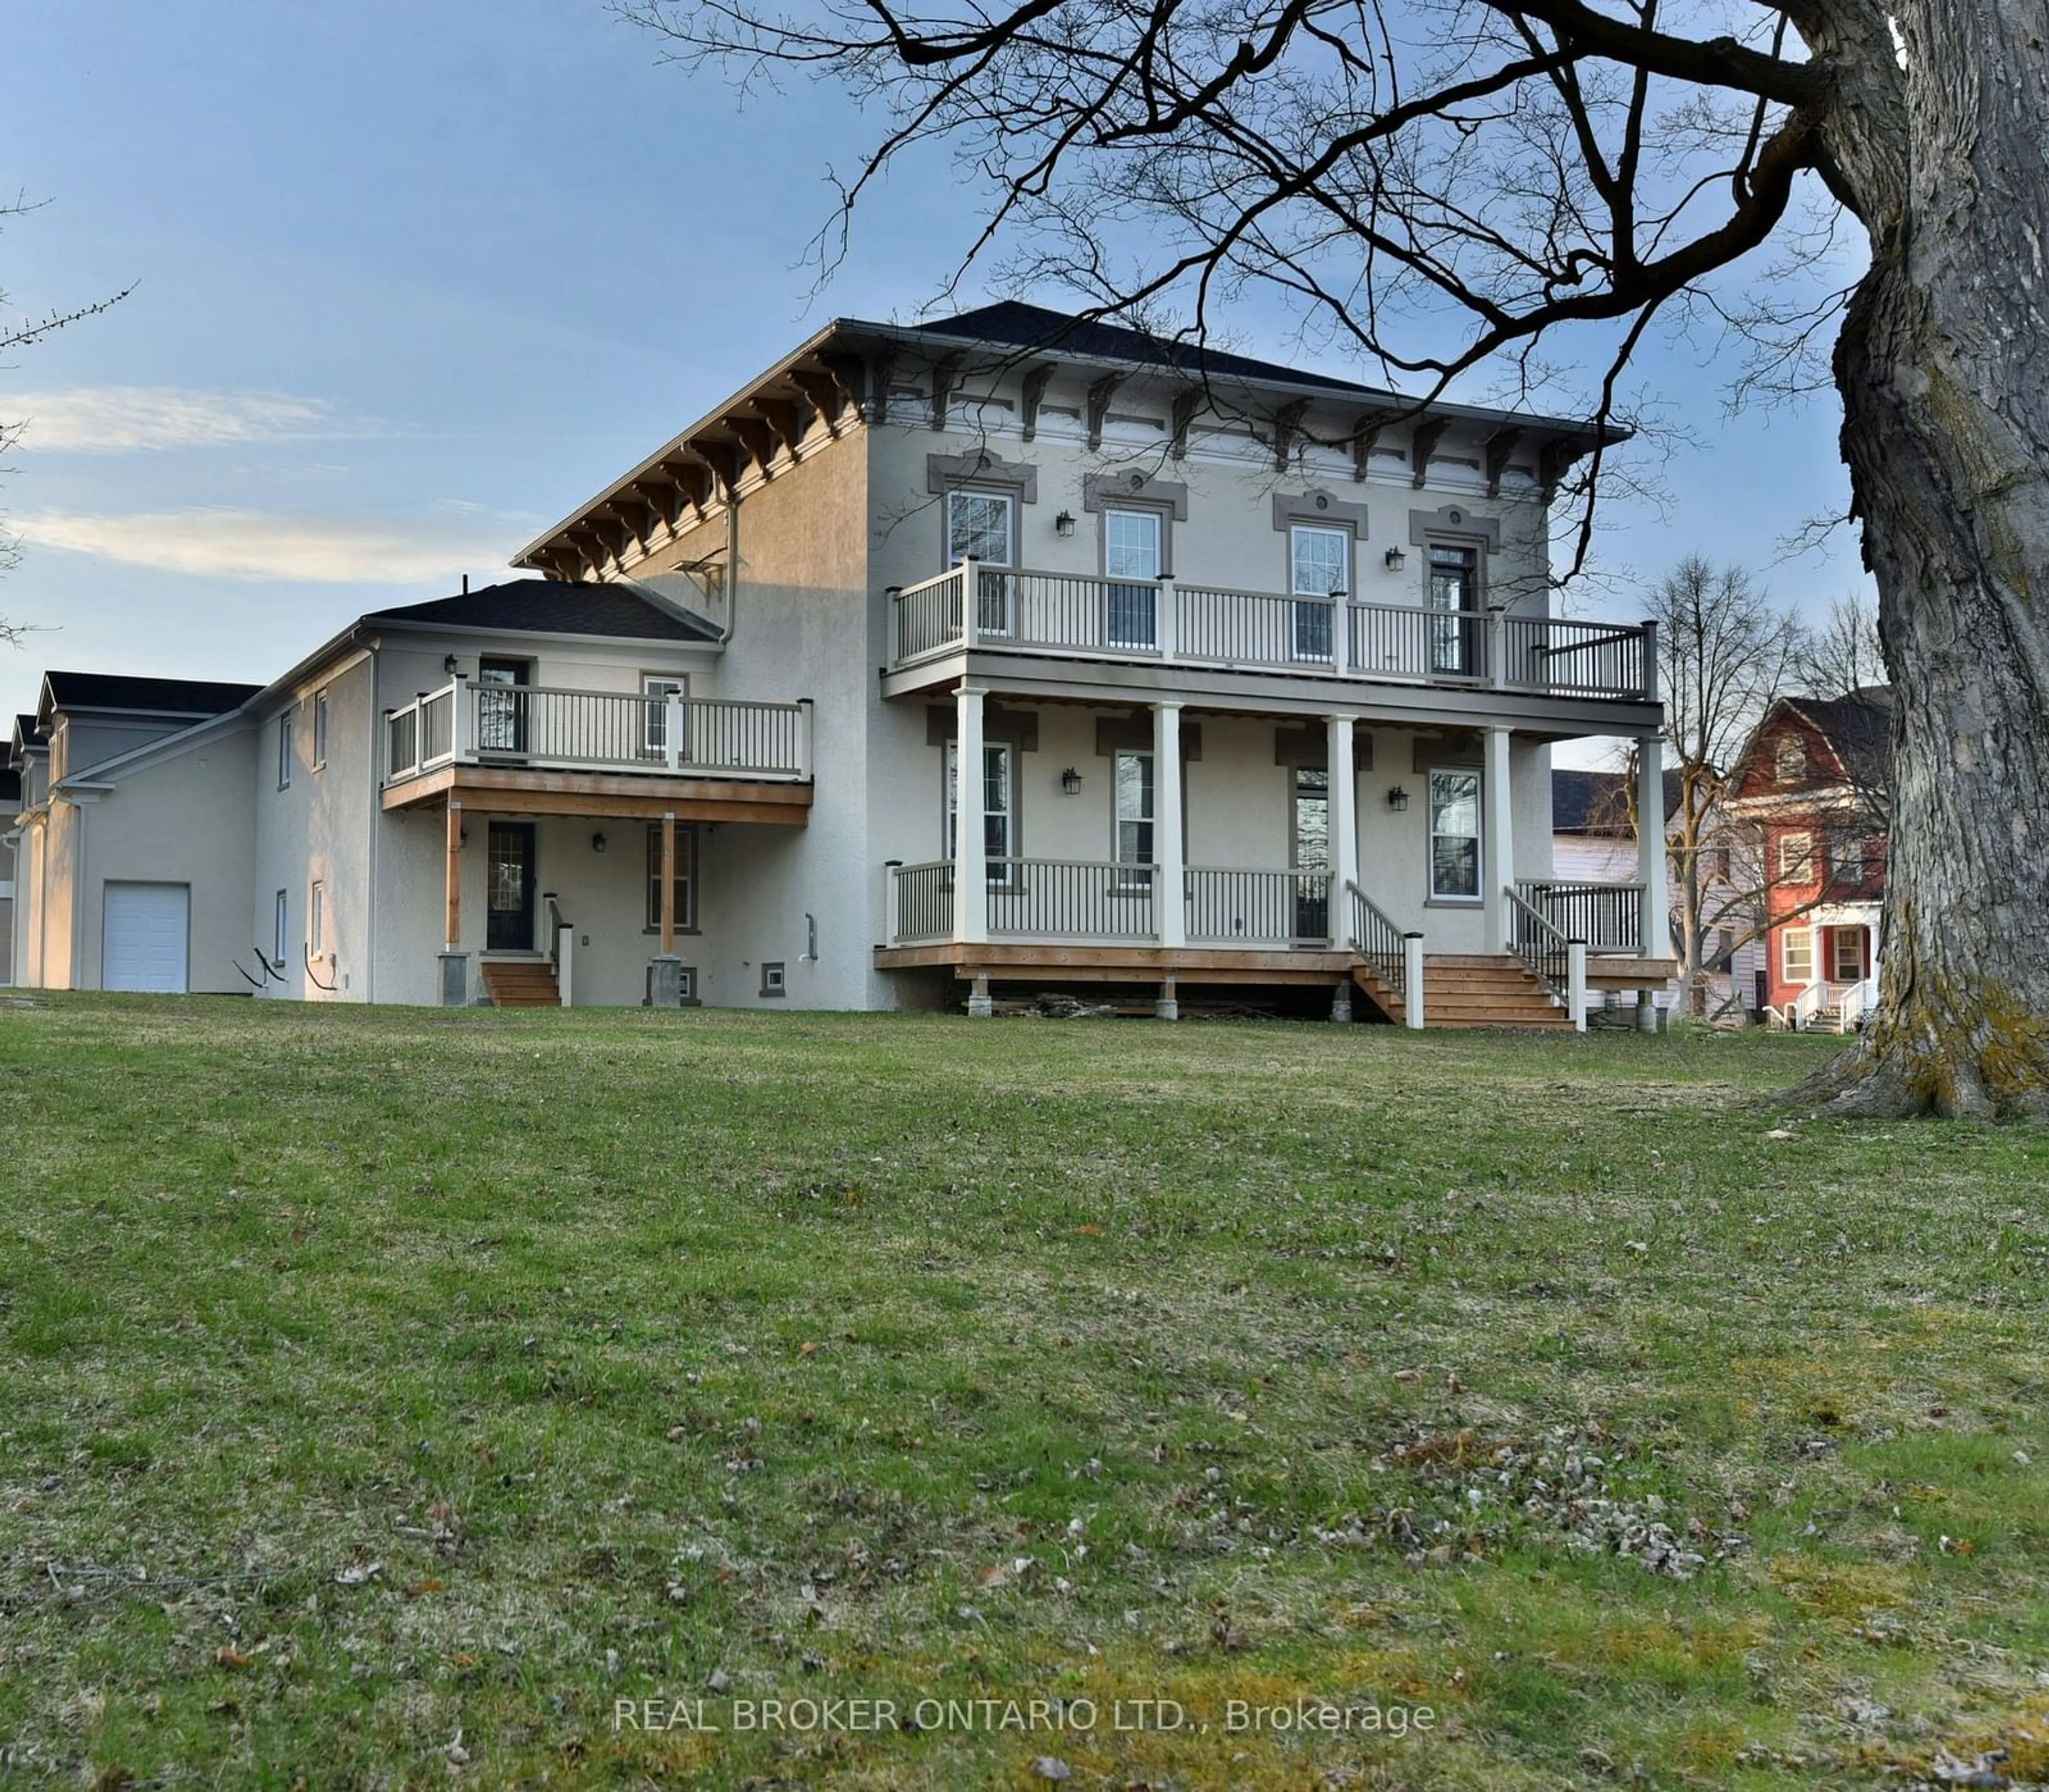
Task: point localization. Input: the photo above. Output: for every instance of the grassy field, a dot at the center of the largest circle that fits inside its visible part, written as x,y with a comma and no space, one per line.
396,1398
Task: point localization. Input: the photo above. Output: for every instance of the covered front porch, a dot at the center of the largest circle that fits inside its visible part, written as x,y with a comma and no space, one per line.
1378,860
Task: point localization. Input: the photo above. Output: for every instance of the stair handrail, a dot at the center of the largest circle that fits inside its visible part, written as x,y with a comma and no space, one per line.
1547,954
1377,940
562,945
1857,1005
1807,1005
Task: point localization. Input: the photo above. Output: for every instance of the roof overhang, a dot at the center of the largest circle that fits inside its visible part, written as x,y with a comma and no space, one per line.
697,470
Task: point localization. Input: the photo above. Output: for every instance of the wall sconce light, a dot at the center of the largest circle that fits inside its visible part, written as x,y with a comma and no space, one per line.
449,665
1071,783
1397,799
1396,559
1064,524
598,842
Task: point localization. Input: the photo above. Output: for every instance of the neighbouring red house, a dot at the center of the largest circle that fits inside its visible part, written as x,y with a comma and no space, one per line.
1814,778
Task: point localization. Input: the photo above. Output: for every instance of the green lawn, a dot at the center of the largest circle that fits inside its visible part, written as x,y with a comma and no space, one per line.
386,1396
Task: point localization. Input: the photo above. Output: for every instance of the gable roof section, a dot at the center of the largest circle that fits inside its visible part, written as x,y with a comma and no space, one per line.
553,607
116,691
1856,728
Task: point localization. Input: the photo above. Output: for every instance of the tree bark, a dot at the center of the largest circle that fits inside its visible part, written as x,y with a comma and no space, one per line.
1943,367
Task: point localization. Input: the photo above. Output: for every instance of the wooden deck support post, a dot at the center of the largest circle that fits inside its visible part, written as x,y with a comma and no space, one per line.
454,962
979,1006
665,980
1168,1005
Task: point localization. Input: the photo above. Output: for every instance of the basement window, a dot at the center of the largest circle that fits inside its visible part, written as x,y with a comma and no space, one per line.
774,980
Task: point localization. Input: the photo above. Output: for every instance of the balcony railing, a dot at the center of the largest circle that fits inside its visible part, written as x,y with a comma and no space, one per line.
1069,899
597,730
1605,917
1173,624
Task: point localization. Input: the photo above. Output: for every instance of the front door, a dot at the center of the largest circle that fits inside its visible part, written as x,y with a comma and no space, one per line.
508,874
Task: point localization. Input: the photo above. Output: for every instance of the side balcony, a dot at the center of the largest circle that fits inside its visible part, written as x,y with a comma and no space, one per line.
546,750
974,608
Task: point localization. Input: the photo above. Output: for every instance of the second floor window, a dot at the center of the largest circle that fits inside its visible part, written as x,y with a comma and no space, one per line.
1796,858
1320,566
658,689
983,525
285,750
320,730
1131,552
1454,595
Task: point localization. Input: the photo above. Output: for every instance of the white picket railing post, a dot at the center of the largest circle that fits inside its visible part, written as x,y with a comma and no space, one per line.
892,901
970,603
1167,622
1412,980
806,743
1575,984
672,730
462,719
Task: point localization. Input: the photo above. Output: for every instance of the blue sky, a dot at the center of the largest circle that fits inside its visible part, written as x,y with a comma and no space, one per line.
412,281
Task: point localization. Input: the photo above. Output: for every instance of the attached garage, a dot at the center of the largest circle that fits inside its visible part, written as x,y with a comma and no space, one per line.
145,943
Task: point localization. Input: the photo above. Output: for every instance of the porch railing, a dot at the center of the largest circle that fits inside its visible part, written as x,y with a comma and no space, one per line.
924,902
1607,917
1070,899
1179,623
1227,906
600,730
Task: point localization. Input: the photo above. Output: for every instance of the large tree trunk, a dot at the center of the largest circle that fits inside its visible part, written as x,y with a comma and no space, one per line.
1943,366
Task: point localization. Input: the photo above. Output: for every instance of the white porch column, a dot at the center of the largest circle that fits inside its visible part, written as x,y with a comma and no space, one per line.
971,840
1497,856
1655,929
1344,821
1169,851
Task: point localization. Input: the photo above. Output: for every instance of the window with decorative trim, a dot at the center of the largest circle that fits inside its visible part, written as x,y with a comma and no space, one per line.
1796,858
1319,566
1796,955
1789,759
1134,842
998,804
984,525
1454,829
1454,600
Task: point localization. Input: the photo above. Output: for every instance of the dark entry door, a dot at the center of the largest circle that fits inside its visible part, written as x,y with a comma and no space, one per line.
508,872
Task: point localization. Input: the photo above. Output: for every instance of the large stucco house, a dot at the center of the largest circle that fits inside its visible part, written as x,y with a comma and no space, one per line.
944,661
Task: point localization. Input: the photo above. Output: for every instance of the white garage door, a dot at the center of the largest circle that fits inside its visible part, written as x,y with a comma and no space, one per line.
144,943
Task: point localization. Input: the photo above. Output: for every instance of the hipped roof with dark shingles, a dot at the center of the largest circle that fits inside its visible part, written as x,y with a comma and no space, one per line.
195,698
555,607
1598,802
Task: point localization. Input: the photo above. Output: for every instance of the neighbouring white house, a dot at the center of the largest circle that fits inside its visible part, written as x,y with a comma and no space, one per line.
991,654
1594,845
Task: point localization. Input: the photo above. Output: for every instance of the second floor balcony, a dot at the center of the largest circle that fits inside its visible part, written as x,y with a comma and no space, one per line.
1168,622
526,734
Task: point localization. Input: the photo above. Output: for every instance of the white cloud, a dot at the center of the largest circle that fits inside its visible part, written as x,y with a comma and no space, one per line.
128,419
293,548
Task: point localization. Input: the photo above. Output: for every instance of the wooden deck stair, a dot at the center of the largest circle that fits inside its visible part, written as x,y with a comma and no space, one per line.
521,983
1470,990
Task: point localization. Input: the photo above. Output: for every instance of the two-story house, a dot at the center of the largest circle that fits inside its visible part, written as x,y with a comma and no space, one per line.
995,653
1814,780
